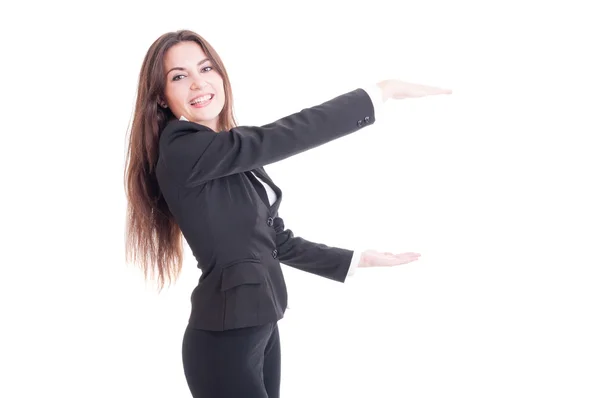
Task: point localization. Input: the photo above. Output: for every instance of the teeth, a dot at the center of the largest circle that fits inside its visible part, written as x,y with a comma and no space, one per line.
204,98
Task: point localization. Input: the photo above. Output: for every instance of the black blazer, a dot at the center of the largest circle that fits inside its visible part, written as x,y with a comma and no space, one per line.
237,237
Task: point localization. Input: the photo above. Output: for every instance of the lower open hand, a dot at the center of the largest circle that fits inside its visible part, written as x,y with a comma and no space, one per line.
372,258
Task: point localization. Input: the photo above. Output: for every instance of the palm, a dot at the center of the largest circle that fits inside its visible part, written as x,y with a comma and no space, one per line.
372,258
398,89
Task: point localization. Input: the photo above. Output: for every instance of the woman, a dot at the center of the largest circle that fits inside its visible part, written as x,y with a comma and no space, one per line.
192,172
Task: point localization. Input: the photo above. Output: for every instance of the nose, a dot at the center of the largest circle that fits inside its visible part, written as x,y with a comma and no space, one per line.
198,83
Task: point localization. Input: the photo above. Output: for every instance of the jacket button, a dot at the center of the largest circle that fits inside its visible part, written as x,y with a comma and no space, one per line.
360,122
274,253
270,221
367,119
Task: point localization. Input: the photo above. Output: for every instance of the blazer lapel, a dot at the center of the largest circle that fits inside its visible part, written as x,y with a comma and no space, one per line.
260,189
262,174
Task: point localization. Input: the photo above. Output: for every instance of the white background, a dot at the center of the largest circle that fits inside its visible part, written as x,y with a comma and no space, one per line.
496,186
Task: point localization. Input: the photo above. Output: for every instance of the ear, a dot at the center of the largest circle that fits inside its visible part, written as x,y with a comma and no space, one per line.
162,103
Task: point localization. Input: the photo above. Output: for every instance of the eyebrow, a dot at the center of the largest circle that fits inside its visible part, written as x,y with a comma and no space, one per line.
180,68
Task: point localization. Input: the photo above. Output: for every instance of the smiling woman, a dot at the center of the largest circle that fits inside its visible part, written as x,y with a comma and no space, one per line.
194,90
178,67
182,179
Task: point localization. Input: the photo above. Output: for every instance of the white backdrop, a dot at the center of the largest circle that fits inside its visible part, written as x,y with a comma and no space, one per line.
495,185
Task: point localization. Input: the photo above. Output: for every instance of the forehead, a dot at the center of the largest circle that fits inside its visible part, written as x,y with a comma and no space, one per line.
184,54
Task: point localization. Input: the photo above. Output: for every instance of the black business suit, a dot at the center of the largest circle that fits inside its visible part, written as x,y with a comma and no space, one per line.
239,239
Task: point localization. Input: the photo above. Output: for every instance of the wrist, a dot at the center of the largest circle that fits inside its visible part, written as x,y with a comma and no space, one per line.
384,93
362,262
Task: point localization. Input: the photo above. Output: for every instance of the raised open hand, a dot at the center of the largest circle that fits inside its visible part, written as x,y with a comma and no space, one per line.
372,258
398,89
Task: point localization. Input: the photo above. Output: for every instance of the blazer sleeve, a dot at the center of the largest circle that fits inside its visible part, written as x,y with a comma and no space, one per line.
319,259
195,154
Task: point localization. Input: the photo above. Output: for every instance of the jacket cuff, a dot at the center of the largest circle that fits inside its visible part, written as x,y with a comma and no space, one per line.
354,262
376,96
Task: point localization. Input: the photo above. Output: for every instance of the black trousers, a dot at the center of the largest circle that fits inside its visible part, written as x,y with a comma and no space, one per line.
233,363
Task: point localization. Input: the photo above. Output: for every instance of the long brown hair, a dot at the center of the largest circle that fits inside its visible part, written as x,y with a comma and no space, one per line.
153,239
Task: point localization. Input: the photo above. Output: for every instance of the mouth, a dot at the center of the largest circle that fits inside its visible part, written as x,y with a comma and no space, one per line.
202,100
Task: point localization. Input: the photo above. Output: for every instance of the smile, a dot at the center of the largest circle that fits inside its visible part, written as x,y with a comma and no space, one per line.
202,101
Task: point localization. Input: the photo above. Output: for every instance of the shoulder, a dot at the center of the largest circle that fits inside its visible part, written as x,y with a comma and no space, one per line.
181,133
175,127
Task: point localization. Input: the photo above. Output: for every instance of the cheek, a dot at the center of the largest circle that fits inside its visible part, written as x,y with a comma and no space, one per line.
219,85
221,91
175,96
222,98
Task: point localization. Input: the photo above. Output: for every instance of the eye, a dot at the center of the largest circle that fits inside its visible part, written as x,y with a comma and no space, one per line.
207,68
176,77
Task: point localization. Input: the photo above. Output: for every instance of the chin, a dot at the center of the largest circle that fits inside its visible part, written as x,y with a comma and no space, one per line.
206,121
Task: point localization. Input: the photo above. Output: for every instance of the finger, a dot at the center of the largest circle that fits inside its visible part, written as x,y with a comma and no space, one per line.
431,88
427,90
442,91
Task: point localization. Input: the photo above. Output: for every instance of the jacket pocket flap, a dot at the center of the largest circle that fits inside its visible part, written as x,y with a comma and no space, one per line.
242,273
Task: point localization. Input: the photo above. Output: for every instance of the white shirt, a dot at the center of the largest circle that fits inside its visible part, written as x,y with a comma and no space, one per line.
376,97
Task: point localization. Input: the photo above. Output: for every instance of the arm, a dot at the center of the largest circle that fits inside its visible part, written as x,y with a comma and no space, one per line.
195,154
329,262
293,246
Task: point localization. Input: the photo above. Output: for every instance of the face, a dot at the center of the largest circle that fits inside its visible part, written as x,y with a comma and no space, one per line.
193,88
